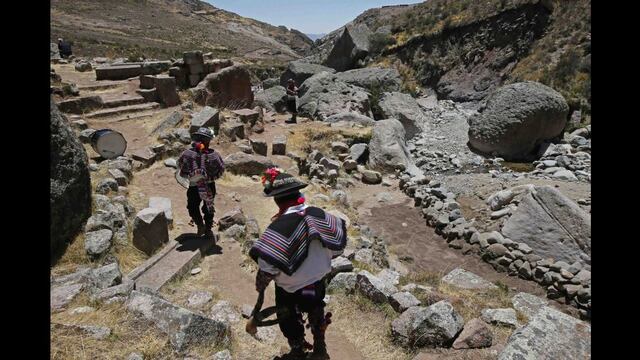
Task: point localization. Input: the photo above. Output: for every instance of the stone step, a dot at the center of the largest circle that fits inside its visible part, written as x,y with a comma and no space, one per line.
122,110
132,116
106,85
173,262
122,101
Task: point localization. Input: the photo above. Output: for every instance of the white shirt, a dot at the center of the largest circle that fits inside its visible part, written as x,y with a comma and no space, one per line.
316,265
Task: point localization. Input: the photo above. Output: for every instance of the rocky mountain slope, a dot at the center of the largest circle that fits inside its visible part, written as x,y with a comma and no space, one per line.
165,28
464,49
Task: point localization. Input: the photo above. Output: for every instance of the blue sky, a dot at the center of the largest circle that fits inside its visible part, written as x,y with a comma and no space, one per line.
308,16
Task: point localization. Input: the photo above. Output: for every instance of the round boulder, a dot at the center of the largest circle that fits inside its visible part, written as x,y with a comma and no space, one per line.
517,119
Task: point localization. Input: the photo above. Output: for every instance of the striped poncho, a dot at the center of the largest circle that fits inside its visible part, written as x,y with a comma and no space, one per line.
285,243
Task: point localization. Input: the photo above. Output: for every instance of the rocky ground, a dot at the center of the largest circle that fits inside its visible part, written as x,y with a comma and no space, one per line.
426,274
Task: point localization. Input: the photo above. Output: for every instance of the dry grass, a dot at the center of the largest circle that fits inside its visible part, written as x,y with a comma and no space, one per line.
318,136
364,266
365,325
74,256
129,257
428,278
127,335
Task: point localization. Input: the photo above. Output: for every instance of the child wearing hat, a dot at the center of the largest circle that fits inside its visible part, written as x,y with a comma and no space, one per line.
202,166
296,251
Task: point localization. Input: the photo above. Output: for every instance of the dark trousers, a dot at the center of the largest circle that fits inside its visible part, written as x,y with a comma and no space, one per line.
290,307
291,106
193,204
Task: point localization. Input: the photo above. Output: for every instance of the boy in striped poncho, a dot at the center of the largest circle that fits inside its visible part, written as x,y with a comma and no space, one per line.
202,166
296,251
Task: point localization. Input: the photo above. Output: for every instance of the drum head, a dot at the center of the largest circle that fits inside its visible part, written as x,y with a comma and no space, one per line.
111,144
182,181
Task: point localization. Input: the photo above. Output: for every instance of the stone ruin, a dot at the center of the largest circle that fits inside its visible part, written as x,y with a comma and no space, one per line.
193,68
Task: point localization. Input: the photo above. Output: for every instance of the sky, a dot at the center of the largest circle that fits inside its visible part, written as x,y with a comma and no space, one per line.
308,16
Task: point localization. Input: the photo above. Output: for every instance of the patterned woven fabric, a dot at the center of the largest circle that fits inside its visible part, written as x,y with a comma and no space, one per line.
285,243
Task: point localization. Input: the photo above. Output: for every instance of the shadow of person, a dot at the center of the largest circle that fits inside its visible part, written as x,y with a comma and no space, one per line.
191,242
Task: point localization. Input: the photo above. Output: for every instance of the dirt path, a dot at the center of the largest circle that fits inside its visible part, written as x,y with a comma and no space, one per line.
224,273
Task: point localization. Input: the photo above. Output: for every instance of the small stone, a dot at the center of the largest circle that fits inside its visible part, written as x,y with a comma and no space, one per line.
196,271
279,145
401,301
503,317
106,185
559,265
171,162
525,271
135,356
341,264
566,274
371,177
199,298
98,242
82,310
222,355
524,248
474,335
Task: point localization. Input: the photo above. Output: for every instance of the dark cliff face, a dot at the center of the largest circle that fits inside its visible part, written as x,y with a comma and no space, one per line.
466,63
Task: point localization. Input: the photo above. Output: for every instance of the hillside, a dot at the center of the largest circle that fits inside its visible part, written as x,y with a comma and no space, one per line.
166,28
463,49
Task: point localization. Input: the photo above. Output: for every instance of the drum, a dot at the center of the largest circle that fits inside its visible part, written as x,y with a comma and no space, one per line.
108,143
184,182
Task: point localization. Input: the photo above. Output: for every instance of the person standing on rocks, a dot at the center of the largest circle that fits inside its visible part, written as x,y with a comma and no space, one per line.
296,251
202,166
292,93
64,48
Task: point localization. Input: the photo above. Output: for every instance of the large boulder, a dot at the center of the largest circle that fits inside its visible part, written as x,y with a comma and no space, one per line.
517,119
301,71
388,148
150,230
436,325
245,164
184,327
368,78
227,88
550,334
322,95
351,47
272,99
403,107
70,182
552,225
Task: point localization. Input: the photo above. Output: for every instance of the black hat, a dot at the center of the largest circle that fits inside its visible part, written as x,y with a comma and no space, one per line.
203,134
277,183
